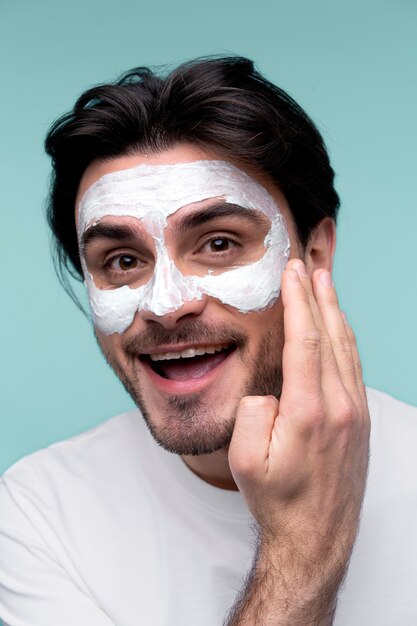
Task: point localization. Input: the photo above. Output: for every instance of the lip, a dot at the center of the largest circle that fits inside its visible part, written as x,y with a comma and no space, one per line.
184,387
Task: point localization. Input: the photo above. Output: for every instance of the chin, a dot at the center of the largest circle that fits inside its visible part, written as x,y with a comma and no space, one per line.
190,425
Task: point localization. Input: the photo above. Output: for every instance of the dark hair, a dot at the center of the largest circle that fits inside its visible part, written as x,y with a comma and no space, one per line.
222,104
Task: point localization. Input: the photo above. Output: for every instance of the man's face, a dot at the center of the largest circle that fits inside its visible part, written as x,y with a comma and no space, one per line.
186,366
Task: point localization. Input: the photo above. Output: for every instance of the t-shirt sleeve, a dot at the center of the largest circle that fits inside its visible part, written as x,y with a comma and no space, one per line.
35,589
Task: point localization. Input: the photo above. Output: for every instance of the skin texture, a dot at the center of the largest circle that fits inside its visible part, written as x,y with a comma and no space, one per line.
300,461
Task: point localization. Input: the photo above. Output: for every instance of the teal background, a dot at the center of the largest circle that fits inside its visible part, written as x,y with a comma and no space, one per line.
351,64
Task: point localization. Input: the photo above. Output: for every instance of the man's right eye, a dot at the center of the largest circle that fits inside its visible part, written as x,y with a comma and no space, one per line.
123,262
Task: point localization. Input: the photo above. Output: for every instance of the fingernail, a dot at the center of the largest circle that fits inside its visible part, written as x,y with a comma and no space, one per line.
300,268
326,279
344,318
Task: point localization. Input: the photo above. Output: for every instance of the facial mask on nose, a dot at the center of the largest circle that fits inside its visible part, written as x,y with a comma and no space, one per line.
152,193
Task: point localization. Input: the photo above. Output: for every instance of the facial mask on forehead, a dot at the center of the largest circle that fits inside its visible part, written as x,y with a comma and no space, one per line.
153,192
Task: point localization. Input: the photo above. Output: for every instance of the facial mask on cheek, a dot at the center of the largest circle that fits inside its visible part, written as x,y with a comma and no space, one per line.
152,193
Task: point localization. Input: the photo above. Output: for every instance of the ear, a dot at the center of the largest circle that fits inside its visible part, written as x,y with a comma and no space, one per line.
321,246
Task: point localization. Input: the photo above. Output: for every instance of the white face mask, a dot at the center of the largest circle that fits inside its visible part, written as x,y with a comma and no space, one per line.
151,193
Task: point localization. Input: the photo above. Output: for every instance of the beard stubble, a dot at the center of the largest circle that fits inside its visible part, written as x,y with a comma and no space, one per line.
191,425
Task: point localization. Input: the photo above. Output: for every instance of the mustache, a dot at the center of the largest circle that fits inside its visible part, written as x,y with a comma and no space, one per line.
193,332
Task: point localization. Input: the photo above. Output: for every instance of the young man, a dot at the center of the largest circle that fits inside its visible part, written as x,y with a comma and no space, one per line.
200,211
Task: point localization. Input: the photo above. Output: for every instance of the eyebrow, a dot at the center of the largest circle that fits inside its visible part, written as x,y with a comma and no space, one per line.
120,232
223,209
123,232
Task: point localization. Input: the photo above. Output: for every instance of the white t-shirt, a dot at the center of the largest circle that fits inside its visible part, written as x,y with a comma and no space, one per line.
108,529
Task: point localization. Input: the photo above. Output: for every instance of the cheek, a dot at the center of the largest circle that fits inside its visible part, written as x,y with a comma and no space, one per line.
113,310
110,346
256,286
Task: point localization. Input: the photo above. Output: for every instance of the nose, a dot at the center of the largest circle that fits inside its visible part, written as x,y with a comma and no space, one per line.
172,320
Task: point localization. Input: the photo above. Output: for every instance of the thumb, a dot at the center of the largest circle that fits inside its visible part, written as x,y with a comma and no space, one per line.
249,447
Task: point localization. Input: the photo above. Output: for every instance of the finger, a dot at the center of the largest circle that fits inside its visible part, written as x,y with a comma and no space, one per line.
328,362
355,356
249,446
329,308
301,362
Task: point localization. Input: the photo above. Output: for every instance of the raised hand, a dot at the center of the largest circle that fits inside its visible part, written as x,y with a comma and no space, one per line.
301,463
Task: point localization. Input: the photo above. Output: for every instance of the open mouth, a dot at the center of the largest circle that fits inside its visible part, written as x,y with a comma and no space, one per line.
192,363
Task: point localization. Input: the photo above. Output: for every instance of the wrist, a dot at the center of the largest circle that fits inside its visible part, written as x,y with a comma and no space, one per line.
303,583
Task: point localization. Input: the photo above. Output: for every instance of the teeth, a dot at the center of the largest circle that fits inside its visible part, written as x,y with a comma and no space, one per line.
188,353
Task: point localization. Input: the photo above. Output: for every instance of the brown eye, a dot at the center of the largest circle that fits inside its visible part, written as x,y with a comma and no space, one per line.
219,245
126,262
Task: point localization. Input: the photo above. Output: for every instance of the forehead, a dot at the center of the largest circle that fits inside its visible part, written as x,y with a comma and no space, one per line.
179,154
167,181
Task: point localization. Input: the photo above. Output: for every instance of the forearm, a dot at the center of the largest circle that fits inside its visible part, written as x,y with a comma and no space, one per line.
285,588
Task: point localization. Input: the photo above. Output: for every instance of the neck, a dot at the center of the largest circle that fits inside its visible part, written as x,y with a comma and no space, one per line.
212,468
